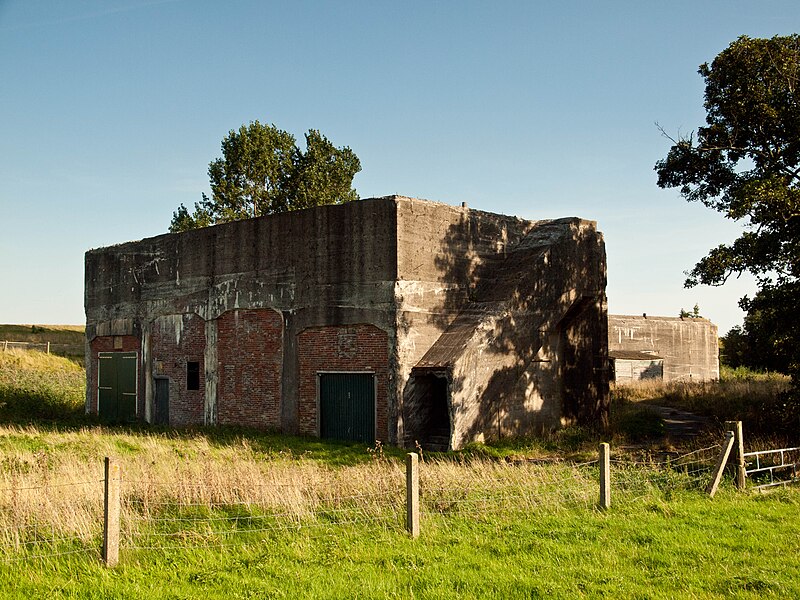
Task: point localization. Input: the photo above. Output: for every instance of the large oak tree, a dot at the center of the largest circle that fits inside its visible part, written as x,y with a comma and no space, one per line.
745,163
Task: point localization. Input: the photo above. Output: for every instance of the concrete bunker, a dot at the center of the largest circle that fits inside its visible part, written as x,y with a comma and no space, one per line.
647,348
391,319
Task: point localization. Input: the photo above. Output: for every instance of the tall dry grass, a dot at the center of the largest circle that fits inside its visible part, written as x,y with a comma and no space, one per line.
55,490
761,401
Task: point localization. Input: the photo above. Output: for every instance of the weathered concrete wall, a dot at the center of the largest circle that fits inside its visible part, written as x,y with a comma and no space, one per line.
522,303
536,361
633,370
332,265
491,315
689,347
440,251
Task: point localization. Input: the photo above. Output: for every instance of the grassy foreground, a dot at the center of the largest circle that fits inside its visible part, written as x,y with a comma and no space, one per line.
248,515
690,547
240,514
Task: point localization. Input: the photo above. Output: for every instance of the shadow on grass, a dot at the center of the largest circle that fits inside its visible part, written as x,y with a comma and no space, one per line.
266,444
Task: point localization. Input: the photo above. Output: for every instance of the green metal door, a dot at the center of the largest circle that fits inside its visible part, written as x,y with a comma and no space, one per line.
117,386
162,401
347,406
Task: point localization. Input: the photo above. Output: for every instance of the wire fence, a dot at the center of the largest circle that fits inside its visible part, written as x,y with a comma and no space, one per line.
639,476
45,516
50,520
160,521
60,348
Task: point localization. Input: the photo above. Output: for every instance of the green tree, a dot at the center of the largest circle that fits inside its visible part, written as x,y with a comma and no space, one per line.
745,163
765,340
262,172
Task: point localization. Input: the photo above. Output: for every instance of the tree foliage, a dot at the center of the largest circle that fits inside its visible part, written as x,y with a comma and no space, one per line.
765,340
262,171
745,163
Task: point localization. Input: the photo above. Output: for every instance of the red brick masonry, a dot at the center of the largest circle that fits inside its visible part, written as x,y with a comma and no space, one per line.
250,355
342,348
172,345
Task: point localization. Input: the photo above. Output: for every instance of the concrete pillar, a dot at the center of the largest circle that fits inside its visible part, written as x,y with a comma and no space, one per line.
211,373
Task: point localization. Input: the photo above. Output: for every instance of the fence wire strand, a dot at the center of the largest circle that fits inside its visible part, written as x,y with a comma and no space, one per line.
199,508
50,518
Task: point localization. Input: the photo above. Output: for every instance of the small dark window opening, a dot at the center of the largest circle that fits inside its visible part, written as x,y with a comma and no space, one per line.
192,375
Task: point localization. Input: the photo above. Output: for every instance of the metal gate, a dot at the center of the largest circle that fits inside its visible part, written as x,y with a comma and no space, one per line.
116,383
347,406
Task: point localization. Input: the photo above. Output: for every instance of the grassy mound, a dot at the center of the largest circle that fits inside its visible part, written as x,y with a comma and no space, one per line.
40,387
64,340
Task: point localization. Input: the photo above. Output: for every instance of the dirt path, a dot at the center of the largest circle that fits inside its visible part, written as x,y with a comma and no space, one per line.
678,424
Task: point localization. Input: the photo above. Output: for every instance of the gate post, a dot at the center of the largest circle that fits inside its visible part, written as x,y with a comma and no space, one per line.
711,489
741,475
111,513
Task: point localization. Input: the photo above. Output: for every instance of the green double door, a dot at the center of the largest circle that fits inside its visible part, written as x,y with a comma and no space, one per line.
116,382
347,406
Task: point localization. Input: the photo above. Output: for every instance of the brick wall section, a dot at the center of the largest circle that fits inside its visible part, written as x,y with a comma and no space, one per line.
116,343
250,357
174,341
343,348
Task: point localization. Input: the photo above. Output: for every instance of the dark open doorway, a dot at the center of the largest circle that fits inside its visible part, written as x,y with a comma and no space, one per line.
427,411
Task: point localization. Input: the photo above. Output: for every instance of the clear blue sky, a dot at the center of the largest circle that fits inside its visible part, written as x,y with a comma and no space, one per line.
110,112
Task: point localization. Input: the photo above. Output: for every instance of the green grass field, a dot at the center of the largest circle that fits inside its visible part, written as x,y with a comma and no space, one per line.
739,546
233,513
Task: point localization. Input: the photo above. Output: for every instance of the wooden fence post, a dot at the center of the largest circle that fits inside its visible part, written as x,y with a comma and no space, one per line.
721,462
111,511
741,474
412,494
605,475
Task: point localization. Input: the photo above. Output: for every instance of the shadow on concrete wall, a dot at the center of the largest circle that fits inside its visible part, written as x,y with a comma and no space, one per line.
523,344
655,370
